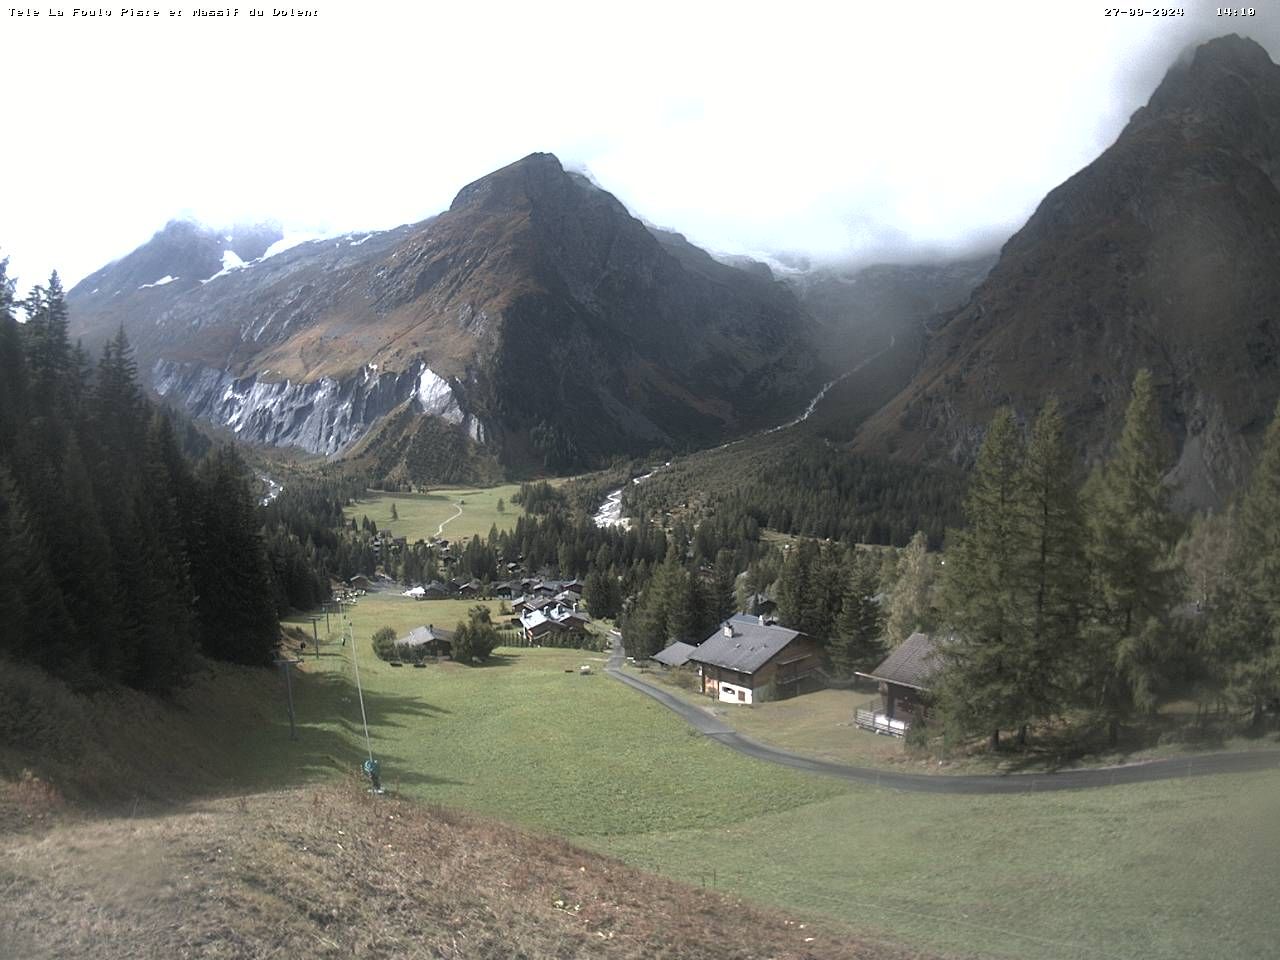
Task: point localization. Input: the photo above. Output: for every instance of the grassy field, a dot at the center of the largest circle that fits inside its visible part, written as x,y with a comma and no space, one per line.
421,514
820,724
1168,870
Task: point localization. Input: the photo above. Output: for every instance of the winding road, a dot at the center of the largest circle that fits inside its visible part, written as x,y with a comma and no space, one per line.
1167,769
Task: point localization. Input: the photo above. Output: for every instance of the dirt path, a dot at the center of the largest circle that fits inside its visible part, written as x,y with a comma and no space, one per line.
440,529
1195,766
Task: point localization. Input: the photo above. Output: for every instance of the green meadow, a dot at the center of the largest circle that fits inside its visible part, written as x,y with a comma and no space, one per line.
1177,869
421,514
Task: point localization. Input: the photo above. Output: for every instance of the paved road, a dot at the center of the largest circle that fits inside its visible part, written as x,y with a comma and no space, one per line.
1197,766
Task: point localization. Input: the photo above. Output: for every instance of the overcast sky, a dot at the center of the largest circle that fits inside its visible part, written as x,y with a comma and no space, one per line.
855,130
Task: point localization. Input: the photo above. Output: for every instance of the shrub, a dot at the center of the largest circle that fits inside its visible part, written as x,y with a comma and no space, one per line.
384,643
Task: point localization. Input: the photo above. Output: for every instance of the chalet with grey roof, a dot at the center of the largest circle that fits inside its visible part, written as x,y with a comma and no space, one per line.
676,655
904,678
428,641
748,660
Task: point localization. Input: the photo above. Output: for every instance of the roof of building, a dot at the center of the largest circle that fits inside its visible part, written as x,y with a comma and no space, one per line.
428,634
911,664
752,618
750,647
676,655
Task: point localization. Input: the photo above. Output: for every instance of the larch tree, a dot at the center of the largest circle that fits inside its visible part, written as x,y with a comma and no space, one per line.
910,606
1051,579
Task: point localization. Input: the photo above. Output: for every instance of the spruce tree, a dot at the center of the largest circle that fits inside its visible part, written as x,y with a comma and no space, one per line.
229,566
858,641
980,686
1132,534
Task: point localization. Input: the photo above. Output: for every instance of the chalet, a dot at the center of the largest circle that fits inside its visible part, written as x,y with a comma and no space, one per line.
904,679
747,660
428,641
435,590
531,603
470,589
505,591
455,584
547,588
676,655
360,582
538,623
573,586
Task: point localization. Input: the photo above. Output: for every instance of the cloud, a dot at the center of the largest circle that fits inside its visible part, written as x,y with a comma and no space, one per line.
879,131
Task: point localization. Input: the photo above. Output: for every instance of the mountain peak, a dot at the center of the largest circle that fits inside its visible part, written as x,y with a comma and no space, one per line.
526,179
1230,75
1231,50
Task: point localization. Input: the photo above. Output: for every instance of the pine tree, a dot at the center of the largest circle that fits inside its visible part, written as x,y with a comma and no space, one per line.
858,642
229,567
1133,531
38,627
980,687
665,611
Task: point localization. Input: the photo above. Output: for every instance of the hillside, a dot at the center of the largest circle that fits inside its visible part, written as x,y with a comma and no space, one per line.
333,872
536,316
1159,254
126,831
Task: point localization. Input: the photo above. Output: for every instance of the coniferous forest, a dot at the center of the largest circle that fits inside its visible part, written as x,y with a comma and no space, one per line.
129,548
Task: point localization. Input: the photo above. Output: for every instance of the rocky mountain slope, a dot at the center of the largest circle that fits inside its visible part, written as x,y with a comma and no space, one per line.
536,316
1161,253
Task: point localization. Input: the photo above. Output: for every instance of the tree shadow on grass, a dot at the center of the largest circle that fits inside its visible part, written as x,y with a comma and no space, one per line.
497,660
1066,747
330,733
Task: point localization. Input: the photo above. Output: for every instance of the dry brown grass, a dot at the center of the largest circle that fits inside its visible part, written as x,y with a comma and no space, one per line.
332,871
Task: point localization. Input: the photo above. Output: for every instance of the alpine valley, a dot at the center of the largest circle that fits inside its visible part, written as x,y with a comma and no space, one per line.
538,326
535,322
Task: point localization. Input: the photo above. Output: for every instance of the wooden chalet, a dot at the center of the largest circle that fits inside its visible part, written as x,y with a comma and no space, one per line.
428,641
435,590
676,655
747,660
904,679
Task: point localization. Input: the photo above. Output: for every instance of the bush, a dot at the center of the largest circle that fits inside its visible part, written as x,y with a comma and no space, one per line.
475,639
384,643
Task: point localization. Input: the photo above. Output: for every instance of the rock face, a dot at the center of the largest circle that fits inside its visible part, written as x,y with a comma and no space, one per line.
536,314
322,416
1159,254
